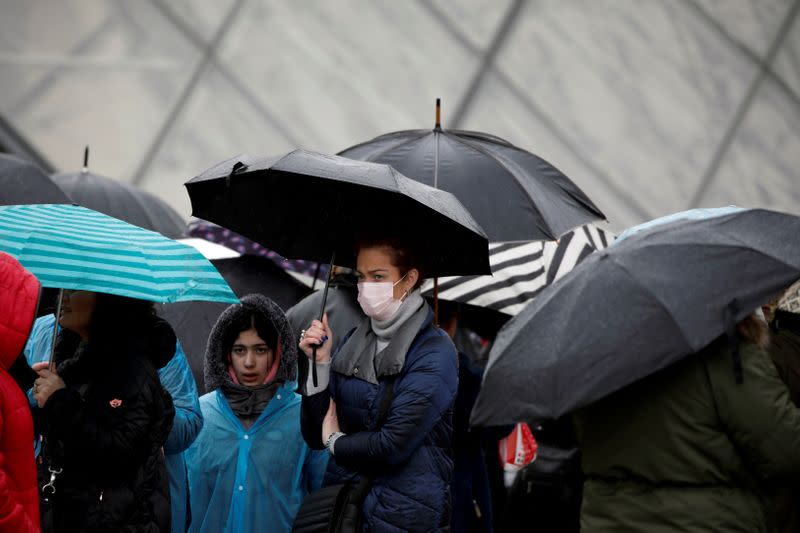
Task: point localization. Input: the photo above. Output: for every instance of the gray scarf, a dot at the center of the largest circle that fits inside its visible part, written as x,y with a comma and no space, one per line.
247,403
378,348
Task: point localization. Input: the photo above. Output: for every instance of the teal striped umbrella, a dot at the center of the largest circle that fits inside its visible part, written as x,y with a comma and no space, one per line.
71,247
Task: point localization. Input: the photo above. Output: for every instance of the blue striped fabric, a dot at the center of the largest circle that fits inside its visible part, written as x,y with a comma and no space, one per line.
71,247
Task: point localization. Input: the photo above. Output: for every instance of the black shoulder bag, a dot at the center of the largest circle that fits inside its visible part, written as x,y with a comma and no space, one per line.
337,508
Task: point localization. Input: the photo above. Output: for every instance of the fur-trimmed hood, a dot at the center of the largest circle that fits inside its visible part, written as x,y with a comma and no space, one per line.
215,366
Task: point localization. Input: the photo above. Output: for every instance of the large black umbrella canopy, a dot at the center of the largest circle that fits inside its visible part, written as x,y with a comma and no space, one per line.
635,308
22,182
247,274
513,194
122,201
307,205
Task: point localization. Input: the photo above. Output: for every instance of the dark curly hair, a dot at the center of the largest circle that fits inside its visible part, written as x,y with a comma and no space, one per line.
251,319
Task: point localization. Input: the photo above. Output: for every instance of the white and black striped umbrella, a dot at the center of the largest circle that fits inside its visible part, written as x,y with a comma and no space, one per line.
520,270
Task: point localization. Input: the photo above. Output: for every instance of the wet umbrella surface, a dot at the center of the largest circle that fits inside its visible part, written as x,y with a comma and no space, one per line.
22,182
306,205
121,201
513,194
635,308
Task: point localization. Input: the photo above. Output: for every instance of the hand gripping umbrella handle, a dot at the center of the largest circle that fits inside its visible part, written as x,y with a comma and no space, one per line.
321,315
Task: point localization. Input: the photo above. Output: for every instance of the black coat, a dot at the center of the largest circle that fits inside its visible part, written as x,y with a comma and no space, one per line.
106,430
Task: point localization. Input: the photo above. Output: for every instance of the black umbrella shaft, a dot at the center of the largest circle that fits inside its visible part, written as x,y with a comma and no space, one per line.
321,315
55,328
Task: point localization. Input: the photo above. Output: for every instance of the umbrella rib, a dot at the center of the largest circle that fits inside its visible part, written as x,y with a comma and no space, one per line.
488,153
381,153
499,159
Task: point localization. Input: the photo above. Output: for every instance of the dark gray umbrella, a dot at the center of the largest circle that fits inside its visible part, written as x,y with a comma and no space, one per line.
513,194
635,308
121,201
306,205
22,182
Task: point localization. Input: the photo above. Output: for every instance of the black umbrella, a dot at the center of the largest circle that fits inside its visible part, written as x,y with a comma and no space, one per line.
22,182
513,194
247,274
307,205
635,308
120,200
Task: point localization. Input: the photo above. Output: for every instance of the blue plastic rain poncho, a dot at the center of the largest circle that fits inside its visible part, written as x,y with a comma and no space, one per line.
177,380
254,479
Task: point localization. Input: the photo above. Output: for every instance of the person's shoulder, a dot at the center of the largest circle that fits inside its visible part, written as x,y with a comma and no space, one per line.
294,398
434,340
210,408
43,322
287,394
290,410
434,351
37,347
208,400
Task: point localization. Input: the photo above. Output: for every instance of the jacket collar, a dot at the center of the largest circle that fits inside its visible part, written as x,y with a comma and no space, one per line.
358,357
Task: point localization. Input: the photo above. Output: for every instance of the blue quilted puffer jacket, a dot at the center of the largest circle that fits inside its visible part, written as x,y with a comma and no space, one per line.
411,453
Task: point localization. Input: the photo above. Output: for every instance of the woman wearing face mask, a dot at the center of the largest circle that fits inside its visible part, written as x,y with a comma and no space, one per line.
105,417
409,453
249,468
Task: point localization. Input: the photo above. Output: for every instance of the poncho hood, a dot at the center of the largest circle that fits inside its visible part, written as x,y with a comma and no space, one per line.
215,368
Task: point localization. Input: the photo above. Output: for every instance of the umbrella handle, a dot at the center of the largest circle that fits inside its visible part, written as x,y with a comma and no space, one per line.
321,315
55,329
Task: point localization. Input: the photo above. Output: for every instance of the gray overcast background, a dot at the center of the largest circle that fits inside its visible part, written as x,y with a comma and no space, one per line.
651,106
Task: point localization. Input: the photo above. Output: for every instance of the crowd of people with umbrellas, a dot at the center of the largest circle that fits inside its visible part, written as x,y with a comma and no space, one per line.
426,332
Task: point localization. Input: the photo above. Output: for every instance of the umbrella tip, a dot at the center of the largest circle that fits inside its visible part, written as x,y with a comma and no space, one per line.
85,168
438,125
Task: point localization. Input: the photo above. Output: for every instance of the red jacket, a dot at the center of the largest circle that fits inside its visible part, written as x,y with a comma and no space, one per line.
19,497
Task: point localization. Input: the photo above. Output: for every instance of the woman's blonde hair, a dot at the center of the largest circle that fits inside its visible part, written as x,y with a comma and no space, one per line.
755,330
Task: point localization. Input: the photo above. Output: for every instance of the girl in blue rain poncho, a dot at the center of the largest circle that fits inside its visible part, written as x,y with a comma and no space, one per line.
249,468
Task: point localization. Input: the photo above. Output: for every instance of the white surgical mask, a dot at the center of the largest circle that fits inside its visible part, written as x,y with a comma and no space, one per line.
377,299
